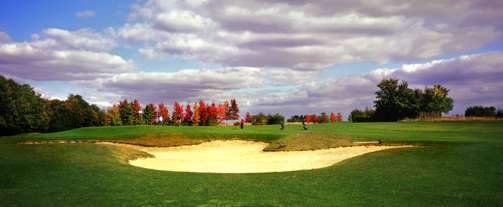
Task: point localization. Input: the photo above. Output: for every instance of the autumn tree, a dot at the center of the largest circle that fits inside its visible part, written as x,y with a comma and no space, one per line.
196,117
315,118
203,113
212,114
338,117
221,113
307,118
227,111
113,116
323,118
163,112
233,110
332,117
187,116
137,117
177,113
248,117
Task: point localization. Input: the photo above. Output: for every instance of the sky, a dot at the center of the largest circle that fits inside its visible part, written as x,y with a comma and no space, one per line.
291,57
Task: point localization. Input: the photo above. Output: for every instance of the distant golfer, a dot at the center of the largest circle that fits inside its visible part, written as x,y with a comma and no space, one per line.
242,123
283,125
304,125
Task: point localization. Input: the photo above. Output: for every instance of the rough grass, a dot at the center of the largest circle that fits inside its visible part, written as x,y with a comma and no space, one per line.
308,141
461,164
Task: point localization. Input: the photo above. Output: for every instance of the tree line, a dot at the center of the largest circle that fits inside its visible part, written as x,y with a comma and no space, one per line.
199,114
23,110
315,118
396,101
483,111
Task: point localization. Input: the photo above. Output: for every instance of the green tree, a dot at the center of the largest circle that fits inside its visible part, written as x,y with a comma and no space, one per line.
480,111
21,109
126,112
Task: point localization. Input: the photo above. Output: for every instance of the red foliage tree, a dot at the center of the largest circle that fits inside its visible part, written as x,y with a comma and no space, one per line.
332,117
136,112
221,113
307,118
177,113
338,117
163,112
248,117
187,117
315,118
234,110
213,112
203,113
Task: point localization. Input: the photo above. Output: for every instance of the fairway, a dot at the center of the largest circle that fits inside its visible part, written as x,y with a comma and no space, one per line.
459,164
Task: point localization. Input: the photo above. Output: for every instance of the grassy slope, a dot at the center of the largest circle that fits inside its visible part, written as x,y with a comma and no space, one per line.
461,165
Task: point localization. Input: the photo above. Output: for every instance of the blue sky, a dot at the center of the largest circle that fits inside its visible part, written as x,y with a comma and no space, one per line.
306,57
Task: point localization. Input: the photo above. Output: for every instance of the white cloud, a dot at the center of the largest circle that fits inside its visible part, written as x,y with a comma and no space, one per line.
62,55
308,35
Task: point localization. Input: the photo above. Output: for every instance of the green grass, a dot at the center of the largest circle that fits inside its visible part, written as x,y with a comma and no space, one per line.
460,164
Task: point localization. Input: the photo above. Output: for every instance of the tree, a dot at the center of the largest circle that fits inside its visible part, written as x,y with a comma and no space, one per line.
137,117
113,116
296,118
126,112
259,119
187,117
203,113
396,101
323,118
213,115
150,114
248,117
221,113
164,114
275,119
332,117
196,117
480,111
499,114
392,101
307,118
315,118
233,110
434,101
21,109
367,115
227,111
338,117
177,113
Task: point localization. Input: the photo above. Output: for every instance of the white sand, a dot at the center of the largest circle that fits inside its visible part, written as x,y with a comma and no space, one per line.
244,157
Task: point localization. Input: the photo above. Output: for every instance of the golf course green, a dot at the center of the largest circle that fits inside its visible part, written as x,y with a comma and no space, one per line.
454,164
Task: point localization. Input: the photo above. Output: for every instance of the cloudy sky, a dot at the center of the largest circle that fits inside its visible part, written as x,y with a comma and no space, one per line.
290,56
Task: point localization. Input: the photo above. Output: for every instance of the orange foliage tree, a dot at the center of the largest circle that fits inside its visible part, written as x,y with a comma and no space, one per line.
196,117
163,112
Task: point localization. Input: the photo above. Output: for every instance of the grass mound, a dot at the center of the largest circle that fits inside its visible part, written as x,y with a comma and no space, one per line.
309,141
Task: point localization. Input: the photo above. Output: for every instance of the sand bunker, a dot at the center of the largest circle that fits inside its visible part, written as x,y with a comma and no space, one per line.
244,157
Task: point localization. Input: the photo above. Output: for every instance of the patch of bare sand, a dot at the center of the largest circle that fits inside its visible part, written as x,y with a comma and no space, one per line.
245,157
